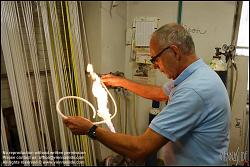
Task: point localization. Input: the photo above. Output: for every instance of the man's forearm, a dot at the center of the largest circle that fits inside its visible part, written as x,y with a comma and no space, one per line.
126,145
147,91
134,147
137,148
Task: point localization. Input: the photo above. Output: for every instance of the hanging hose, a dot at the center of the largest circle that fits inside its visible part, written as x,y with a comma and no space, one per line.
125,110
118,109
233,90
236,80
134,115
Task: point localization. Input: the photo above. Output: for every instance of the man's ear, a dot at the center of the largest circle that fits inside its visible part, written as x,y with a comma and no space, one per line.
177,52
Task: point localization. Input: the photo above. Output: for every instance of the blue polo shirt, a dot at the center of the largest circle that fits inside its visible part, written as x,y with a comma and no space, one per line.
197,117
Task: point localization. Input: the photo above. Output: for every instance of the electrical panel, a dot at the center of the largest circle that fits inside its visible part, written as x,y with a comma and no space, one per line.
142,29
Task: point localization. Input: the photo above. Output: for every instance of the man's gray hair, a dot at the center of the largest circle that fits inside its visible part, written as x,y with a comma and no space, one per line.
175,34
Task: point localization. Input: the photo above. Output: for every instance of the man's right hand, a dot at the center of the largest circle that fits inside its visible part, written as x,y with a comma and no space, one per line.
112,80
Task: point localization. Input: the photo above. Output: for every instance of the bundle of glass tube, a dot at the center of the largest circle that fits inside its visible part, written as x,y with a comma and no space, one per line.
45,52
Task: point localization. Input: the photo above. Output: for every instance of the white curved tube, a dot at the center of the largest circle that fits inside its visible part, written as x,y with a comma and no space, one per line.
86,101
74,97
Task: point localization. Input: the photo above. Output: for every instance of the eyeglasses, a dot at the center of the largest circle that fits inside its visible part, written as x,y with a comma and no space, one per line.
158,55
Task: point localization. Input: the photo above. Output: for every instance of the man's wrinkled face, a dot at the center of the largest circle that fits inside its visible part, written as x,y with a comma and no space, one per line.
166,62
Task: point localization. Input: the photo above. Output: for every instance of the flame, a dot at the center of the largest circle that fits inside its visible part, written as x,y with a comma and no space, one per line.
101,93
102,97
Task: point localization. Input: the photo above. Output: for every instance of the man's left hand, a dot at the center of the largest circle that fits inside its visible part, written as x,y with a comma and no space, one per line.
78,125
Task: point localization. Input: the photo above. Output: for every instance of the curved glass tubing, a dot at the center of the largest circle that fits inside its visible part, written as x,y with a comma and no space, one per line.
100,91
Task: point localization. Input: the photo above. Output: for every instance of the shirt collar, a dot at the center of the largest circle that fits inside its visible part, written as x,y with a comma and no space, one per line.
188,71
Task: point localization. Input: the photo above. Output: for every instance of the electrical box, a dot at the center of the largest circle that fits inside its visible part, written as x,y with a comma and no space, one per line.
143,27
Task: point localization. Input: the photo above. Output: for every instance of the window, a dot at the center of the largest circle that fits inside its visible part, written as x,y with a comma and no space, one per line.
242,47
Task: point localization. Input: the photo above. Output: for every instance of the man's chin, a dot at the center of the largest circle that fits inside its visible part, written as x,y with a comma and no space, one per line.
167,75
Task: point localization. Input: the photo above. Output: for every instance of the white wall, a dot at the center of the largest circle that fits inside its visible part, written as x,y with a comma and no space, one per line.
92,16
106,35
214,19
113,33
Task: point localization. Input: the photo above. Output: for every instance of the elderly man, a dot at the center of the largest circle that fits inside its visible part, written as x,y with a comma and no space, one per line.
194,126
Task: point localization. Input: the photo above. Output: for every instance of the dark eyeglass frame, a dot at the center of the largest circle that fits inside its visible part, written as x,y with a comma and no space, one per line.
153,59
